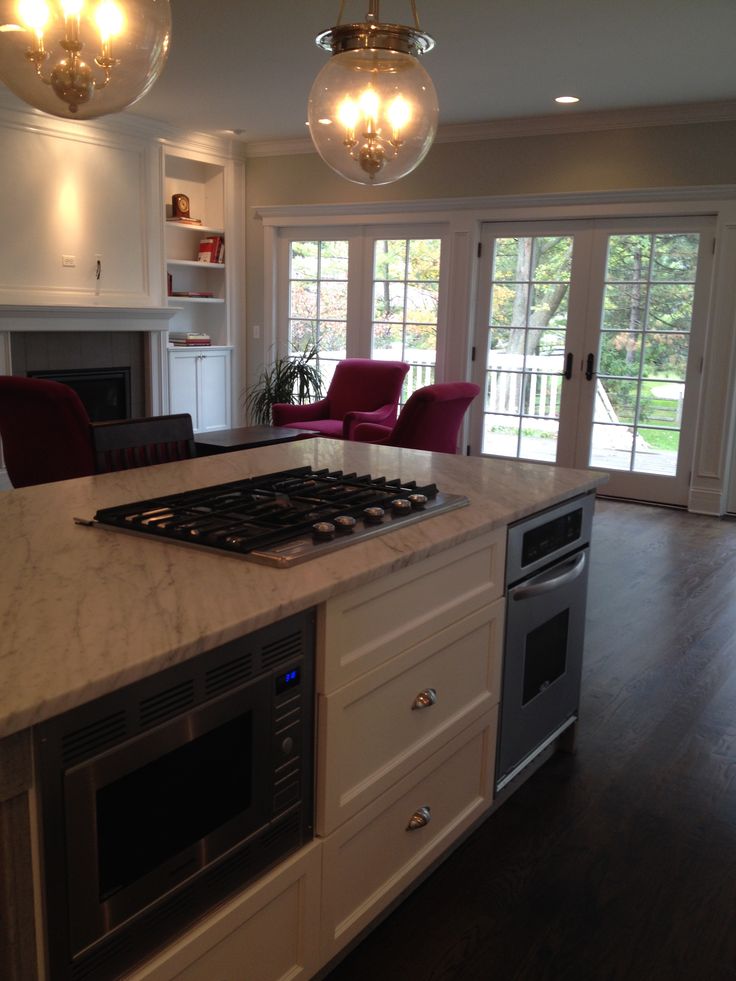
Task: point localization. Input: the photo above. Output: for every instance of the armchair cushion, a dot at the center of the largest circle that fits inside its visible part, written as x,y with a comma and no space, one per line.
385,416
369,432
284,414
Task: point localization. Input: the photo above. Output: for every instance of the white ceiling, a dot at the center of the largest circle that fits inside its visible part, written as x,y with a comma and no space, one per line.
246,65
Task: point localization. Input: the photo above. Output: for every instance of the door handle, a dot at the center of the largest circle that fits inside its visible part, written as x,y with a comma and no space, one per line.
544,584
589,366
567,373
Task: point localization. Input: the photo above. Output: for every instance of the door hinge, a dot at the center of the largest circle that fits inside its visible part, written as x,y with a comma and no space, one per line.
472,354
480,249
700,369
713,250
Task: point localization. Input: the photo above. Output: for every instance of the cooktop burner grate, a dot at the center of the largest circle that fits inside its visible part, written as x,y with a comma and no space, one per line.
284,517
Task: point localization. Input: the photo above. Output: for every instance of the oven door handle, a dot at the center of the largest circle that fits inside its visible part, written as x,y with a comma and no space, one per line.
542,584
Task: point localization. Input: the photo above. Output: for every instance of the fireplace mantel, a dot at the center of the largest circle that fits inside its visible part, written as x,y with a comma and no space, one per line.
39,317
152,321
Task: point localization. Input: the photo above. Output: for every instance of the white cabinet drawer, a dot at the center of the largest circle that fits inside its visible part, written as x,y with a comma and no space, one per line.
368,626
370,732
268,933
373,857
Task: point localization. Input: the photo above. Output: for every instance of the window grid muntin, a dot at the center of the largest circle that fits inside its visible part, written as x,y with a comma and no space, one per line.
325,365
421,373
640,425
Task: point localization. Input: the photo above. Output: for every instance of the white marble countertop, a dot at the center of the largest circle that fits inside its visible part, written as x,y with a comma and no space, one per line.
84,610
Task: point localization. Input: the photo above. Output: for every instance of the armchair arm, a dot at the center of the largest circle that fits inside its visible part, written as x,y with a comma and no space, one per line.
282,413
369,432
385,416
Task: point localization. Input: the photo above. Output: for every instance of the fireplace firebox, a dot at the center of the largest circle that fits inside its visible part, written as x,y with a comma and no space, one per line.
105,392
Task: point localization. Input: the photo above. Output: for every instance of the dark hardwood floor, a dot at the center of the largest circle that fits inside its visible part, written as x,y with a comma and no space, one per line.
617,863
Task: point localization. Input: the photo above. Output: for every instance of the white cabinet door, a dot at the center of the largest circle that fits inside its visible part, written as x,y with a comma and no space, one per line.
183,383
214,390
199,383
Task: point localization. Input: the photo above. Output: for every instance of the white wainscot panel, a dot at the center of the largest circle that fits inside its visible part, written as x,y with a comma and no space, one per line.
79,199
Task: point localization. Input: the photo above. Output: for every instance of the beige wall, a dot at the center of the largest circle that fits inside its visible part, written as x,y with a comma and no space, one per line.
699,154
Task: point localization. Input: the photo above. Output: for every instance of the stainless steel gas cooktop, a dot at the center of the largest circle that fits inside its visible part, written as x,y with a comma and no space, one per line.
282,518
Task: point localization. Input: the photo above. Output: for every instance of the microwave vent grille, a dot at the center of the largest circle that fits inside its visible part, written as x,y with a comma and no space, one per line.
229,675
96,963
285,828
93,738
282,650
166,704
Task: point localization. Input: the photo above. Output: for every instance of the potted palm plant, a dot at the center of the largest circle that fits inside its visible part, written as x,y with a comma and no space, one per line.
293,379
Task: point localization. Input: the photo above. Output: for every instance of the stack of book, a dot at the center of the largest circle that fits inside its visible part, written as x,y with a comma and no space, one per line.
189,339
212,249
186,221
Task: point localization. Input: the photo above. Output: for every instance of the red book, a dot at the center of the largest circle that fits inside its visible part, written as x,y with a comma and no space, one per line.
207,249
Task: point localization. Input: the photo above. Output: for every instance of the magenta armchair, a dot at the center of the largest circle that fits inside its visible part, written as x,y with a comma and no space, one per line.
45,430
430,420
361,391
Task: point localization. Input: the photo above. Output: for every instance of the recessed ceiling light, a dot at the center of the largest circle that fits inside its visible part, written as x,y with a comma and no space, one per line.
567,99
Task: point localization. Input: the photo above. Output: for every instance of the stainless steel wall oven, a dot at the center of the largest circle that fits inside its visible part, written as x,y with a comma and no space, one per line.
546,583
164,797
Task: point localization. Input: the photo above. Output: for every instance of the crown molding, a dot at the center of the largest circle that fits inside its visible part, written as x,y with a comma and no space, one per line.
571,121
15,112
684,200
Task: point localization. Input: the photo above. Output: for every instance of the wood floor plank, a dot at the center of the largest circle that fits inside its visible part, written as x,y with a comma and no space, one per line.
617,863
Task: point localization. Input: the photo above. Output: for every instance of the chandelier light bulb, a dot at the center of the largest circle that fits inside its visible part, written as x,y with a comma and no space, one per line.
82,58
373,108
33,15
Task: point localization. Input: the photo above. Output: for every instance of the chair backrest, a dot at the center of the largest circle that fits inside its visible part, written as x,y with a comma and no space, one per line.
45,431
363,385
134,443
431,418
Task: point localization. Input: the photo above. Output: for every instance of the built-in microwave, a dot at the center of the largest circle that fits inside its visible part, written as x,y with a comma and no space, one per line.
164,797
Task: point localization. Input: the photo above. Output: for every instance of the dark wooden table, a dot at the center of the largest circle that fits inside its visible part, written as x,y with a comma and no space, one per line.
246,437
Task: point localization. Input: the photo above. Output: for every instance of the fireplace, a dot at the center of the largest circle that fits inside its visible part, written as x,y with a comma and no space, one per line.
106,368
105,392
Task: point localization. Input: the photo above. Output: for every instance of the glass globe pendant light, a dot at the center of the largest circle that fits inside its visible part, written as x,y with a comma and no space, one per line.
373,108
82,58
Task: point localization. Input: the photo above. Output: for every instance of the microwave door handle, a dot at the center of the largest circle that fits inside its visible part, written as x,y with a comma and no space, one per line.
541,584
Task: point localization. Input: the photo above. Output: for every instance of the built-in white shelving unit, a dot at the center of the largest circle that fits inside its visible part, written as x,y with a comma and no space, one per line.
199,378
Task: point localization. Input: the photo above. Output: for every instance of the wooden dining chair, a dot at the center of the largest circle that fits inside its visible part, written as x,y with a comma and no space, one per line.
142,442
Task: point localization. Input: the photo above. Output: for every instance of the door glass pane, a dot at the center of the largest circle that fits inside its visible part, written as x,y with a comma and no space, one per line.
643,352
318,301
406,276
527,321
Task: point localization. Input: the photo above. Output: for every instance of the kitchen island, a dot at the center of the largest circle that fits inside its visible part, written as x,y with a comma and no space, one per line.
86,611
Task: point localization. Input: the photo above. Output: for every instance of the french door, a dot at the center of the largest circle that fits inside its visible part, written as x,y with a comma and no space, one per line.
588,347
364,293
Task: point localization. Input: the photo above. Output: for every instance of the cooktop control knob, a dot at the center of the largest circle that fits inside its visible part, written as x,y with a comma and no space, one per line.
417,501
344,522
373,516
401,506
323,529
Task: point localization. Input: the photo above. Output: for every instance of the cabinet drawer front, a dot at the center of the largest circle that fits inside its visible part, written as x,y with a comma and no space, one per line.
372,858
366,627
269,932
375,730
